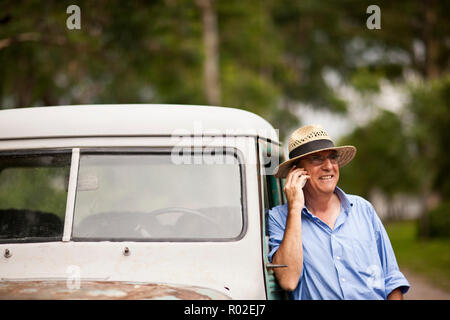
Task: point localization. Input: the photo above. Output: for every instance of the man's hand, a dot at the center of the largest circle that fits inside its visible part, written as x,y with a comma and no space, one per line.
295,181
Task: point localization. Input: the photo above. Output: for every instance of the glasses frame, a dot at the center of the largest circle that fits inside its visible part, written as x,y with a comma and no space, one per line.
317,159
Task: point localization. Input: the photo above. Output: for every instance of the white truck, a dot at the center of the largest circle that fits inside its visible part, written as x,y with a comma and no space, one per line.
136,202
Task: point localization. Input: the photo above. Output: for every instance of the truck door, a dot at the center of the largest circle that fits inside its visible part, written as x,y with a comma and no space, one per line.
272,196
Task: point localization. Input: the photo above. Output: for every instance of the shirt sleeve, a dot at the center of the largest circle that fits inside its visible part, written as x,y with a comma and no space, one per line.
276,231
393,278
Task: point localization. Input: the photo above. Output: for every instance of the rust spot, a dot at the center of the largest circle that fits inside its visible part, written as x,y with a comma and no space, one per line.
8,253
93,290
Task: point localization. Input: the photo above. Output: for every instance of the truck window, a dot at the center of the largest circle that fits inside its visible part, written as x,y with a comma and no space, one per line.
150,197
33,192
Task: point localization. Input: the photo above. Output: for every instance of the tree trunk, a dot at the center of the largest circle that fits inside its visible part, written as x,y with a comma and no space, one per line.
210,42
429,200
430,40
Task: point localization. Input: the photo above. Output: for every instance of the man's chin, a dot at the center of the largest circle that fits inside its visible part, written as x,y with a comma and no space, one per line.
327,188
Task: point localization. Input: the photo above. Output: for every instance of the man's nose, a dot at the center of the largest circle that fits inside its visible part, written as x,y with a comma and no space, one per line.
327,164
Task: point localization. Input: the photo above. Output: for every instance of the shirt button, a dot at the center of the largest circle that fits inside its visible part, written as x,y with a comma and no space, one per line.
343,279
338,258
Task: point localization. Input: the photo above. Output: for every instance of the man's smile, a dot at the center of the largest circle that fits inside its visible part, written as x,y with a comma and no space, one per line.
326,177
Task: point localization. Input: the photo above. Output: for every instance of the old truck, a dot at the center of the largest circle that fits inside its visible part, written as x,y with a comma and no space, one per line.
136,202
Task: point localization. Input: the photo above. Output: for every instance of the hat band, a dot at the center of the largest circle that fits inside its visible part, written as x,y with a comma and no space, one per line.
310,147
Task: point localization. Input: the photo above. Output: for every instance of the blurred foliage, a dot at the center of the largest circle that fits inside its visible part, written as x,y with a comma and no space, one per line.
407,152
439,221
430,108
383,159
273,54
430,258
366,81
38,189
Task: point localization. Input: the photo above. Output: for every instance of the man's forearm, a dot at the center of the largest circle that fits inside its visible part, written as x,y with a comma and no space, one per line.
396,294
290,252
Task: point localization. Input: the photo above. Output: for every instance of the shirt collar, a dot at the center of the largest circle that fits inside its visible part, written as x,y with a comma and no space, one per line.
345,201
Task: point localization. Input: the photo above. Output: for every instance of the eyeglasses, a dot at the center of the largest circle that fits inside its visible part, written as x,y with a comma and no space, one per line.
317,159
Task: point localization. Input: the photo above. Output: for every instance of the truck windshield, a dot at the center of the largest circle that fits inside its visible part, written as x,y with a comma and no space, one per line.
149,197
33,192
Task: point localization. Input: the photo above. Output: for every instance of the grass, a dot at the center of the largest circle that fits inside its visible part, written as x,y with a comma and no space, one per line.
430,258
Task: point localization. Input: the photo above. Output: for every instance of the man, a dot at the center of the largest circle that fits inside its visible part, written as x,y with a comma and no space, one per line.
334,244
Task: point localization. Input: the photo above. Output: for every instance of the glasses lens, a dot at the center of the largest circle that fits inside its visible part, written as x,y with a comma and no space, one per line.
333,157
318,159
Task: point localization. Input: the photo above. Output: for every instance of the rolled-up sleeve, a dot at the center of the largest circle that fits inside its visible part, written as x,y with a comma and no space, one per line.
276,231
393,277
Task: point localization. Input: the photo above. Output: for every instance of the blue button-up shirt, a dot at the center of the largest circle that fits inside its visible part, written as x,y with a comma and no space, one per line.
355,260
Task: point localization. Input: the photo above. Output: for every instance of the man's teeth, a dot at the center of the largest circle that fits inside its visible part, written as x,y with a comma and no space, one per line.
325,177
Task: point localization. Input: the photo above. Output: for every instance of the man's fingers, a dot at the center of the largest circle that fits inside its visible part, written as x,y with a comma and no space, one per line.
289,175
297,174
303,180
295,178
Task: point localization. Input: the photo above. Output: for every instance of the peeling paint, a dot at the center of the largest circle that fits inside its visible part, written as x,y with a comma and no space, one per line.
108,293
29,290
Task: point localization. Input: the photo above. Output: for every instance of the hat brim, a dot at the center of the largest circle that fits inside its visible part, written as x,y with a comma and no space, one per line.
345,155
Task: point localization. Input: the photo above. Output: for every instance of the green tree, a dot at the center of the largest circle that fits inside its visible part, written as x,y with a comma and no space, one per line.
430,109
384,158
270,55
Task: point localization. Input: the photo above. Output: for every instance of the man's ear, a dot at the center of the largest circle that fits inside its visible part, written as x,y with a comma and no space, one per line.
300,163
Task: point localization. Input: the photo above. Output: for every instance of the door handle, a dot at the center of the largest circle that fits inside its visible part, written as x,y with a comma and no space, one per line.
273,266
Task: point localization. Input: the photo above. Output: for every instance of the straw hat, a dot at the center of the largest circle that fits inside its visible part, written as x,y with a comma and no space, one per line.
311,139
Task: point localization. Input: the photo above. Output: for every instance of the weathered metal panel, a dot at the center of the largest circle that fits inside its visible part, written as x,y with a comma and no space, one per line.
233,268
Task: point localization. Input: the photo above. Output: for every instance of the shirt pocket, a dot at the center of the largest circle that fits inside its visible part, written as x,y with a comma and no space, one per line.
368,263
365,252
